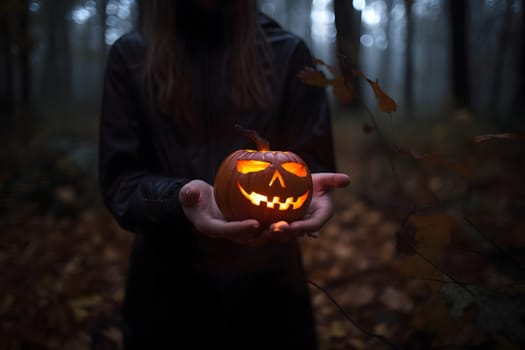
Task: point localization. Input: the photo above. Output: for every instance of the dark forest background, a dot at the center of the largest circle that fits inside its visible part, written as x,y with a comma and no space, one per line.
425,248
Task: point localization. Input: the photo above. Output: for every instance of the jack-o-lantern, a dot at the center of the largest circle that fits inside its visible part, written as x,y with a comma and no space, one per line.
265,185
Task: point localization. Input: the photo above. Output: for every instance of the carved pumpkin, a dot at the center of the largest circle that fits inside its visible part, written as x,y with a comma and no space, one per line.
265,185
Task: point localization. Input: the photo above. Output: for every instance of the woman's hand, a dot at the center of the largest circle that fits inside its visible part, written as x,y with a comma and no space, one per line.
198,203
320,211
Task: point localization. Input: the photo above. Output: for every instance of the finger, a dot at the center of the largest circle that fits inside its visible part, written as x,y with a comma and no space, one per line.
280,226
327,181
314,222
189,196
217,227
280,231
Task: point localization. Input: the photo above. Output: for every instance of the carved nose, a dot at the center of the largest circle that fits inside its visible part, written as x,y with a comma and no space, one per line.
277,175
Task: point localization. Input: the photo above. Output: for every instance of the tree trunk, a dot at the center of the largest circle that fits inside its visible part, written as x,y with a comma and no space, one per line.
409,64
348,26
24,46
499,63
460,72
7,95
101,9
57,74
518,106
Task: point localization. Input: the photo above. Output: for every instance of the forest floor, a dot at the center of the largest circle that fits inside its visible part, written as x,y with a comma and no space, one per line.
426,254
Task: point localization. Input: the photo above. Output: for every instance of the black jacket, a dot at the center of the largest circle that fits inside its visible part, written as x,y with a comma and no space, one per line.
181,284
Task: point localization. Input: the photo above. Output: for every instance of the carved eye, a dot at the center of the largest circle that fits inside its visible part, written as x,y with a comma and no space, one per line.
295,168
251,166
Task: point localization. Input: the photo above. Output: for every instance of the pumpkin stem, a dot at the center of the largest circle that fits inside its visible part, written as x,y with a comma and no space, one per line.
261,143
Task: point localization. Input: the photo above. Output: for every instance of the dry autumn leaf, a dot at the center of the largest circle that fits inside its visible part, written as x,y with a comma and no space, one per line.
343,90
386,103
313,77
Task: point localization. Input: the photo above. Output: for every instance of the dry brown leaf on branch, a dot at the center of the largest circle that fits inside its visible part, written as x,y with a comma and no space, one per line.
344,92
313,77
330,68
386,103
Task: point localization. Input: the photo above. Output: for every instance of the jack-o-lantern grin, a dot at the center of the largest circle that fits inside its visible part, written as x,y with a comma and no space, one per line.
275,203
265,185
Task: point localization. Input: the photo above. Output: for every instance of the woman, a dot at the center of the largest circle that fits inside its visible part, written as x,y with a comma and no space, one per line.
172,96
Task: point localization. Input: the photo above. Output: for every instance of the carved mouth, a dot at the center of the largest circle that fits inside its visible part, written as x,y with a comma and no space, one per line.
275,203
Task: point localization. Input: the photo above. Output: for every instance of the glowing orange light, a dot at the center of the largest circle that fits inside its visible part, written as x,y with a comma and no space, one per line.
277,175
275,203
250,166
295,168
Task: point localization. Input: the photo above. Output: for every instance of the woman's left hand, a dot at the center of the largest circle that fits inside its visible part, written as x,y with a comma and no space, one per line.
320,211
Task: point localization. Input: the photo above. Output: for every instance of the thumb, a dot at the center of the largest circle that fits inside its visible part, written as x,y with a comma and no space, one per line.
327,181
189,196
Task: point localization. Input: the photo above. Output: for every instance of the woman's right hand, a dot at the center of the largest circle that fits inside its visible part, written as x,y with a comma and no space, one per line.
198,203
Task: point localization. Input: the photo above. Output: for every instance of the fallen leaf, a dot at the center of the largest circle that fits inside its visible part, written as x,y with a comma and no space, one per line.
115,335
358,295
396,300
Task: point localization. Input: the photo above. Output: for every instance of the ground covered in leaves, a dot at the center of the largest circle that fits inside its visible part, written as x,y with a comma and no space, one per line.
425,250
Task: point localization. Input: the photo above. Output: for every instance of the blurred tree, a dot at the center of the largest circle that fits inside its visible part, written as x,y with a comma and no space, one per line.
57,73
409,64
16,45
348,26
101,9
6,84
518,106
459,53
24,45
499,62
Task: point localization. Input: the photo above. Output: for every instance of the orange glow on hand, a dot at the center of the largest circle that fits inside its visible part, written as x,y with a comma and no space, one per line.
279,226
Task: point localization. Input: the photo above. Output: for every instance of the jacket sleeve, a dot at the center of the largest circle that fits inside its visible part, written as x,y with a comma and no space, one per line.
139,199
307,117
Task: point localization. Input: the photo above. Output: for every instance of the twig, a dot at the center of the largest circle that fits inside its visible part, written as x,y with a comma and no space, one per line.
385,142
354,322
452,278
494,244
